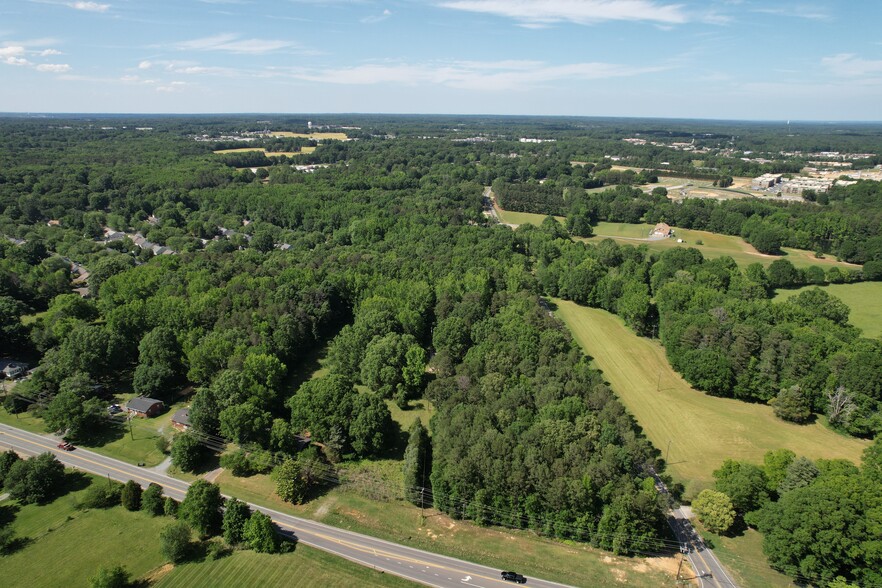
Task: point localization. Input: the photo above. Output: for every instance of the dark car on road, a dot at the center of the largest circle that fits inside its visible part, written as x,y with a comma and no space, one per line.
514,577
66,446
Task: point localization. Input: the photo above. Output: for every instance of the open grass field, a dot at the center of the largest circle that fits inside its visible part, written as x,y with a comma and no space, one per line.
316,136
712,245
66,546
303,150
702,430
523,218
304,568
863,298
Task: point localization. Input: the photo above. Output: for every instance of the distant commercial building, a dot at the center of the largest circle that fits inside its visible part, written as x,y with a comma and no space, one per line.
766,181
800,185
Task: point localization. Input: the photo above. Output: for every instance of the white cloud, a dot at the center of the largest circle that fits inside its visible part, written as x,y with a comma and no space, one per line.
806,12
576,11
173,87
850,65
145,65
90,6
53,67
48,52
377,17
482,76
16,61
12,51
233,44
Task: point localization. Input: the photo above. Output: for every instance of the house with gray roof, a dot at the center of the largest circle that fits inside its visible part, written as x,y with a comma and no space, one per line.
142,406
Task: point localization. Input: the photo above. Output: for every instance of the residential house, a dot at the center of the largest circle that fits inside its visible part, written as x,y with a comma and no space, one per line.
145,407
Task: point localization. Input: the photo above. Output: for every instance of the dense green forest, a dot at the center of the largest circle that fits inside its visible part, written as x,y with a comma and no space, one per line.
201,272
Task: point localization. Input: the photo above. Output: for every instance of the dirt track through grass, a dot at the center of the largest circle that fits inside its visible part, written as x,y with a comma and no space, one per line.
702,430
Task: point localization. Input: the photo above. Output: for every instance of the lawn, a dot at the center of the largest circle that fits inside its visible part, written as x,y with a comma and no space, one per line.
863,298
67,546
702,430
137,445
524,218
304,568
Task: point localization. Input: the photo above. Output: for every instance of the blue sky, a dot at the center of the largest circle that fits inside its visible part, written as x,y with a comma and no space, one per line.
740,59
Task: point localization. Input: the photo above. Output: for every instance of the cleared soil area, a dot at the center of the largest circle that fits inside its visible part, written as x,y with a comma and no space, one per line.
702,430
863,298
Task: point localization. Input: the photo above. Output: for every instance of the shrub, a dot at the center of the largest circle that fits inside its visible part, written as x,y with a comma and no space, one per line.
237,463
260,533
130,497
170,507
162,444
174,542
112,577
151,500
102,495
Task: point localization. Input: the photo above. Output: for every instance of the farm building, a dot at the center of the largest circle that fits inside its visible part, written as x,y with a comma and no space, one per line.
146,407
181,419
662,230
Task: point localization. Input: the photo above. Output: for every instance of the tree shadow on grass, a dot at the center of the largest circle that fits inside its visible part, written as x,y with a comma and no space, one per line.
17,544
74,481
7,514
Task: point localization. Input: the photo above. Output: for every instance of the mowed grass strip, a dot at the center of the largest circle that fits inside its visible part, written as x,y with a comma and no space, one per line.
703,430
863,298
524,218
305,568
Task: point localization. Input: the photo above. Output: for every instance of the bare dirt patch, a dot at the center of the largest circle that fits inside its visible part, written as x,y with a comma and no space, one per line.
154,576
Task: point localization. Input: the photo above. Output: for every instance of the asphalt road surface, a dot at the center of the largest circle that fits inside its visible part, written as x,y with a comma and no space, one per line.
413,564
708,569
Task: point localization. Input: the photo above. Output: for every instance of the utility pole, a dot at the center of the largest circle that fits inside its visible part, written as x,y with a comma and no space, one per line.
131,432
668,452
680,565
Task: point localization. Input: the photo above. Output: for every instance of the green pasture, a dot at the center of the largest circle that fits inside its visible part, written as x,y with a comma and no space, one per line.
863,298
702,430
66,546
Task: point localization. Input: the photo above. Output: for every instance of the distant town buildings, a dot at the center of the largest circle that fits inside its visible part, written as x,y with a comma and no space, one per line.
766,181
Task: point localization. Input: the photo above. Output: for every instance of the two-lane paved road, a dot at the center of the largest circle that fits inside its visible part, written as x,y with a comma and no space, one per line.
710,572
413,564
